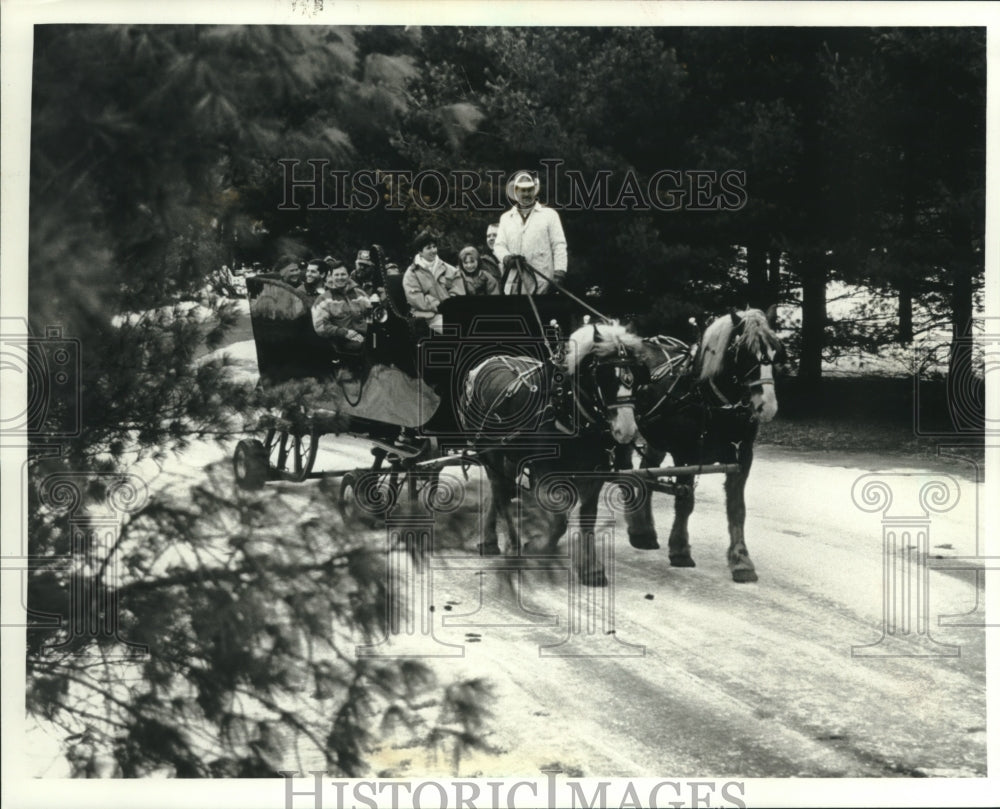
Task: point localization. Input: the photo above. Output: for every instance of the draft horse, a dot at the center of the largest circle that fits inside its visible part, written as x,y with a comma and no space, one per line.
559,422
710,414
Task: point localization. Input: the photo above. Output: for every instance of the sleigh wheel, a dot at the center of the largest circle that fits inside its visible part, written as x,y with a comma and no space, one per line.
368,497
293,455
276,444
303,451
250,464
347,503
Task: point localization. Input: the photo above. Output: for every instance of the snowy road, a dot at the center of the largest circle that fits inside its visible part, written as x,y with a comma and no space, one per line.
822,668
682,671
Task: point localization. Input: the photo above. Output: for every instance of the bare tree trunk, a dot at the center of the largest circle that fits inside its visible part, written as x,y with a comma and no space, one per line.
905,325
758,295
774,272
966,394
905,334
813,273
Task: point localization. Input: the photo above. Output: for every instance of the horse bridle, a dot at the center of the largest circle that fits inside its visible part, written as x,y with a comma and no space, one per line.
765,360
625,372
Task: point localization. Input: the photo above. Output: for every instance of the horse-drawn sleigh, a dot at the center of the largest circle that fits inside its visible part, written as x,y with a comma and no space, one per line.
522,388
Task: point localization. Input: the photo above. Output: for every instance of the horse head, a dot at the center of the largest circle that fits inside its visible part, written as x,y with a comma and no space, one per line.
605,359
736,359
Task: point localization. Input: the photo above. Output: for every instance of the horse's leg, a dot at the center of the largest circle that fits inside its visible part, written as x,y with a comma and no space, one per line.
490,545
738,557
555,513
641,528
590,568
678,546
508,483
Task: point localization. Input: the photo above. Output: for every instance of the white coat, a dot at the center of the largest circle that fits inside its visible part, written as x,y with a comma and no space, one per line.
539,238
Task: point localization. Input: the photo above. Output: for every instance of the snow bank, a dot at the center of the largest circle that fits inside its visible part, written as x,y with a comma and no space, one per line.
243,359
195,310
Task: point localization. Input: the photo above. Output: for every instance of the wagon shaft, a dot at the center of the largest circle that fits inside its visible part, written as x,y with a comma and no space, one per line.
694,469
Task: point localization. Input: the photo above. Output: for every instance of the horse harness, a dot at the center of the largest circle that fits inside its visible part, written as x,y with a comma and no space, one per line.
766,377
678,365
529,375
699,397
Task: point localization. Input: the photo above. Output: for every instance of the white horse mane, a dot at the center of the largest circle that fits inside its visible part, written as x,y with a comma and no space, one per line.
715,340
581,343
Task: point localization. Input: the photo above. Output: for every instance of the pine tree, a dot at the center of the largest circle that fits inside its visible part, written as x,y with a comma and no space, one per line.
206,633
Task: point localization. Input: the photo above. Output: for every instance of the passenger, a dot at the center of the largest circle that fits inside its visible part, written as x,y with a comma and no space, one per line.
428,281
365,274
341,312
291,273
487,260
478,281
312,285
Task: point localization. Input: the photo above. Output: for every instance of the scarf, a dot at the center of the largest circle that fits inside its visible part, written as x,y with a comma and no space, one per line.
421,262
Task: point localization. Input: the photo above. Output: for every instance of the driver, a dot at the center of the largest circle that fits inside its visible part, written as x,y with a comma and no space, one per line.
533,232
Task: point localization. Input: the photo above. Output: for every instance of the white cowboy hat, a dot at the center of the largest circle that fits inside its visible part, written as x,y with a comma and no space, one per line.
522,179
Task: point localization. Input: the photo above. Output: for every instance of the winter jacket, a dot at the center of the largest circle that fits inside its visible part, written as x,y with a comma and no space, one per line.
489,263
539,238
426,288
480,282
337,311
312,290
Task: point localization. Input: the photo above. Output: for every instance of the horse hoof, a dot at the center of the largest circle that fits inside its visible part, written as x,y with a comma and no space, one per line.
681,560
488,549
594,578
644,540
744,575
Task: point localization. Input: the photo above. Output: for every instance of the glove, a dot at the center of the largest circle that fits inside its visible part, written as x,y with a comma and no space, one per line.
559,276
509,261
